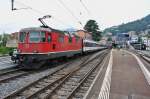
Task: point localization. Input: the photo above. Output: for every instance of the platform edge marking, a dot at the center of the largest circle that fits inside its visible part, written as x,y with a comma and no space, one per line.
105,89
86,95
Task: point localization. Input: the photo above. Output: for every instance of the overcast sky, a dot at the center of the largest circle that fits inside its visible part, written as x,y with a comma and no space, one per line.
106,12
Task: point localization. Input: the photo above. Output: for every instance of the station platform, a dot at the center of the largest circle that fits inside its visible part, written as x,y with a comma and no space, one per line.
127,79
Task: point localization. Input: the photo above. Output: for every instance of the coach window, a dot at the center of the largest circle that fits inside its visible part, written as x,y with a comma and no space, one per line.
34,36
86,44
22,36
43,37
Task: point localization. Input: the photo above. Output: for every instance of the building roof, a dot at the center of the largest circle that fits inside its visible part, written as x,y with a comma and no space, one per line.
84,31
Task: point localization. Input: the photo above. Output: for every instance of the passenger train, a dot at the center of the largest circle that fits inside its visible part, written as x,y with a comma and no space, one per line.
39,44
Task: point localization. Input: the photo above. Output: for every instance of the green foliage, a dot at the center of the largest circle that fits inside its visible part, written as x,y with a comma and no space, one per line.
3,38
138,25
5,50
92,26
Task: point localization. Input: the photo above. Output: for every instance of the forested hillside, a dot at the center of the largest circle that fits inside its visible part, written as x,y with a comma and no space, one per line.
138,25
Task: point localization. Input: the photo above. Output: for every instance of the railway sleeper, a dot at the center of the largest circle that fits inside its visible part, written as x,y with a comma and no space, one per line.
81,91
67,87
86,84
74,80
62,92
71,83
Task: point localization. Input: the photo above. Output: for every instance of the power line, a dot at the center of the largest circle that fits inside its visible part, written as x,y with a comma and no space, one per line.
88,11
13,8
39,12
31,8
62,3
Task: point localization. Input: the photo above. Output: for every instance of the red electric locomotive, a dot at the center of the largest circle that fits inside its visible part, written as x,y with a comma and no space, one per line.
36,45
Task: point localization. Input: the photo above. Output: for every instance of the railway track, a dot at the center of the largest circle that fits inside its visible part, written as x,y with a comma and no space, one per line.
14,73
54,83
7,70
142,55
11,74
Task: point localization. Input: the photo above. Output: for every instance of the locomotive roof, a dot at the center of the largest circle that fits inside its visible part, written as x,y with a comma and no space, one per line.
41,29
46,29
35,29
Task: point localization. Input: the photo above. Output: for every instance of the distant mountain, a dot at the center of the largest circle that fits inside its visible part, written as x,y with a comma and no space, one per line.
138,25
70,29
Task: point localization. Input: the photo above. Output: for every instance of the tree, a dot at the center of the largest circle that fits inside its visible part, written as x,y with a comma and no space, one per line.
92,26
4,39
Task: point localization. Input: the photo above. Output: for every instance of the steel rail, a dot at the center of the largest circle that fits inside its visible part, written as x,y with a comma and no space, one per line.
53,91
9,77
62,78
15,93
8,71
85,77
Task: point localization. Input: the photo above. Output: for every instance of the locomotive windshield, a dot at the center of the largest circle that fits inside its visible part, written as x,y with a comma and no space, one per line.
34,36
37,36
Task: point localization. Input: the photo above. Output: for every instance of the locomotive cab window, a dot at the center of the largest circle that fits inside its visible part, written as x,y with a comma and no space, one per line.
22,37
34,36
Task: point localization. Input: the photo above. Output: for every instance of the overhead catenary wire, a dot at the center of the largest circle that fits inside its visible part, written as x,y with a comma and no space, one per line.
63,4
85,7
38,12
31,8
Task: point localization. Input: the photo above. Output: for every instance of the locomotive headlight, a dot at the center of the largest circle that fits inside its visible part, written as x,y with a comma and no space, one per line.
19,51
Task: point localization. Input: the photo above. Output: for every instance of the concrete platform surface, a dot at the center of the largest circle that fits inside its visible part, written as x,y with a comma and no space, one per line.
128,81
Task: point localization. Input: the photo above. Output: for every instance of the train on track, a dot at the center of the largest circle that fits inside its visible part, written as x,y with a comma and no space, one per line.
40,44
